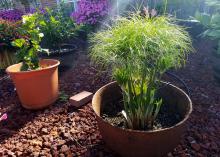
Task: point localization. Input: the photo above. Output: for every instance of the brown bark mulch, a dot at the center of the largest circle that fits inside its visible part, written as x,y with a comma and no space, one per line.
62,130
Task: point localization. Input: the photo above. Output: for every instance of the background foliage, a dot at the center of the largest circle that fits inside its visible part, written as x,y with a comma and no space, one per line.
211,21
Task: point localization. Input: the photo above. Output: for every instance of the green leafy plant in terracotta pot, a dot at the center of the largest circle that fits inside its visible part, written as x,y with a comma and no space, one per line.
36,80
8,32
138,50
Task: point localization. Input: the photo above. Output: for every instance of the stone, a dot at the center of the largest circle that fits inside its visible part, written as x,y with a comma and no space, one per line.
46,150
77,84
44,130
45,138
36,154
54,133
11,154
22,134
36,143
28,136
184,155
66,135
62,129
80,99
170,155
195,146
214,146
47,144
190,139
1,152
61,155
64,148
18,153
200,155
61,142
68,154
55,153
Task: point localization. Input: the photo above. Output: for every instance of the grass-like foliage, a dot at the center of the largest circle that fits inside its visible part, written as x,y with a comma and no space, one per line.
139,50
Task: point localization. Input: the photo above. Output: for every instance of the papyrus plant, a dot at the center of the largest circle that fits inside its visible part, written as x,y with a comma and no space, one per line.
139,50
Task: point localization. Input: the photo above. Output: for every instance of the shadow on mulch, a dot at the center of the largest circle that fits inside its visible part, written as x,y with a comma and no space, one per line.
17,115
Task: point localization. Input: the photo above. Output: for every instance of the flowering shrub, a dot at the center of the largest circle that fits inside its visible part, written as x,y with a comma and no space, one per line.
56,27
91,11
11,15
8,32
39,10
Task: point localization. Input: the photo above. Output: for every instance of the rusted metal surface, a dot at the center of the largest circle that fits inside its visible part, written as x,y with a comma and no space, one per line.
133,143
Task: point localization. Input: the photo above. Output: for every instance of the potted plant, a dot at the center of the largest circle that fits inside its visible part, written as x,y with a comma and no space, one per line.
36,81
139,115
8,32
59,31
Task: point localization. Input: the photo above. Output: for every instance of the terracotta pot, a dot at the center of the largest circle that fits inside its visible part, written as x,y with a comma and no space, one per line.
134,143
38,88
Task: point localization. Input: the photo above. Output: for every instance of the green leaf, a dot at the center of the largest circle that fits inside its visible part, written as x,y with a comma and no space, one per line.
18,42
212,33
215,19
203,18
42,23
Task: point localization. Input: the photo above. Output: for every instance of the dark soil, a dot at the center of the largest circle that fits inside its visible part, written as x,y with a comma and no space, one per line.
167,117
112,114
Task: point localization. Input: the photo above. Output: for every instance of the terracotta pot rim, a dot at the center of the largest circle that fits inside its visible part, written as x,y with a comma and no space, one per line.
149,131
25,72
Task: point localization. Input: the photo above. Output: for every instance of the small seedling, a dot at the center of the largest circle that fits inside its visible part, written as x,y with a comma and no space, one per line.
63,97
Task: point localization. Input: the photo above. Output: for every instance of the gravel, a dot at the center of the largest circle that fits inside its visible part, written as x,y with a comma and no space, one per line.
62,130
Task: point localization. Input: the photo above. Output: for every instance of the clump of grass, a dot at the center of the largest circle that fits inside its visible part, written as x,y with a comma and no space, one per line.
139,50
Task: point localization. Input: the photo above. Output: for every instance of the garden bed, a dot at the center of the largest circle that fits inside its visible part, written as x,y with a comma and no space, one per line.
62,130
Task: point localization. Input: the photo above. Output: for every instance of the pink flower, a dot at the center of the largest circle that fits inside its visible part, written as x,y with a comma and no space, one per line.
153,12
3,117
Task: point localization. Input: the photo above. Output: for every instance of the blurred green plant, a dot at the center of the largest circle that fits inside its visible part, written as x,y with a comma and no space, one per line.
8,33
27,4
6,4
139,50
179,8
66,8
63,97
29,47
56,27
211,21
